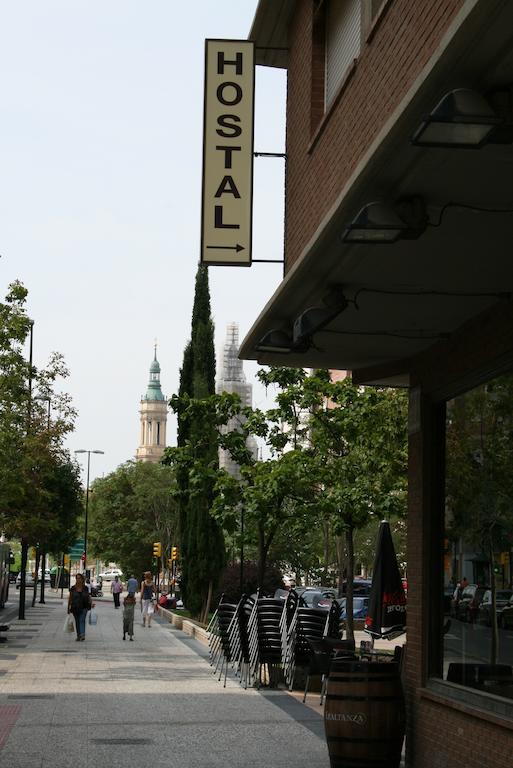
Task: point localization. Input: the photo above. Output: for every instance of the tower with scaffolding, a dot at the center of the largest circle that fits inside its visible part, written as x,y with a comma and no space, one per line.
231,378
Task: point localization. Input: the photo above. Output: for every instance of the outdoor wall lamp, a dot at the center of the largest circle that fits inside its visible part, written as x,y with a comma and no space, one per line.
463,118
305,325
315,319
380,222
275,340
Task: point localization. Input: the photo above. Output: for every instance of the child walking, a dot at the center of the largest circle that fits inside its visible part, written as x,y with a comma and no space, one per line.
128,616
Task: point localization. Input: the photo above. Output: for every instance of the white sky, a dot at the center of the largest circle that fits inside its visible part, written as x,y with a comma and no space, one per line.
100,186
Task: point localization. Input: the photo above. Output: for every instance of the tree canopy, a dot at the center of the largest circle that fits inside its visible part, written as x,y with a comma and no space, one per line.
130,509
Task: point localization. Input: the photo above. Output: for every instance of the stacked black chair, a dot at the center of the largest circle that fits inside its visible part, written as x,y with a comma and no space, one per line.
308,624
221,647
321,657
214,638
239,638
269,633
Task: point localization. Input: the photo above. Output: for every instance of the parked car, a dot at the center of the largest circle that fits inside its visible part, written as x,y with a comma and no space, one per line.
502,597
319,598
47,575
466,609
110,574
360,587
505,618
360,607
29,580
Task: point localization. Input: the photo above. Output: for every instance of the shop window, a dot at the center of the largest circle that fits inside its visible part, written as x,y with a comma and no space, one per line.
477,626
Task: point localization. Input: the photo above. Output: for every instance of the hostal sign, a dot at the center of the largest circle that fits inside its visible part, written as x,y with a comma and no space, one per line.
226,217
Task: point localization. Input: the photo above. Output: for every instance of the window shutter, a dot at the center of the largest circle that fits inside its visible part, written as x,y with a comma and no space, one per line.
343,31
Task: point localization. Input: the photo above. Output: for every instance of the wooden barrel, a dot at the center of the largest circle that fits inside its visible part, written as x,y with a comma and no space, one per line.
364,714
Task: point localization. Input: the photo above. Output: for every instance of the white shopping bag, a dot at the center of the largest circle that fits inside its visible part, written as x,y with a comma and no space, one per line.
69,624
93,616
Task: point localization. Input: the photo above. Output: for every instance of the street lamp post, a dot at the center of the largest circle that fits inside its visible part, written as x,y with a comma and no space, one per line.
48,400
81,450
24,541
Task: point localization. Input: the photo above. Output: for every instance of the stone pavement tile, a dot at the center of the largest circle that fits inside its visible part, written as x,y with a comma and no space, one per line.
25,742
157,691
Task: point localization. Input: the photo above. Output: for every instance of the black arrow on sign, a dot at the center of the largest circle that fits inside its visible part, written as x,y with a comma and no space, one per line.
227,247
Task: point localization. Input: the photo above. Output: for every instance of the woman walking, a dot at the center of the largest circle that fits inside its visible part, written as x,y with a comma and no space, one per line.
147,591
116,588
128,616
79,602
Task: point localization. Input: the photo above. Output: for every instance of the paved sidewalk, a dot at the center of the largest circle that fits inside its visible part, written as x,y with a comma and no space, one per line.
154,701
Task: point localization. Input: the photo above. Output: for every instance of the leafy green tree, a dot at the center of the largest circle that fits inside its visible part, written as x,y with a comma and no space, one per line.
37,476
337,460
130,509
359,445
14,374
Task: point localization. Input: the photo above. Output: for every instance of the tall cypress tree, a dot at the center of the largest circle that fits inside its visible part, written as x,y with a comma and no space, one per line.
182,475
201,539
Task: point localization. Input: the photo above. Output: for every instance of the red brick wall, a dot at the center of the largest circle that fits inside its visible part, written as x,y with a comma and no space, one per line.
401,46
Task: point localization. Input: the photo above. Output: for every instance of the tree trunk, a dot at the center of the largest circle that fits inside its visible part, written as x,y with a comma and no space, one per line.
326,548
24,552
204,614
36,572
339,543
349,584
262,555
43,563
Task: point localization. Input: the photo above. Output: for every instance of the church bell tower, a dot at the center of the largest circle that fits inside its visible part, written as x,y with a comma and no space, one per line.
153,412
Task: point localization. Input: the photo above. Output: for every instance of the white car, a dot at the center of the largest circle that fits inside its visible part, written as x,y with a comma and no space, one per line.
110,574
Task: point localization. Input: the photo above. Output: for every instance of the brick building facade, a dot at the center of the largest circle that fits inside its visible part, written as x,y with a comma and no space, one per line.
413,292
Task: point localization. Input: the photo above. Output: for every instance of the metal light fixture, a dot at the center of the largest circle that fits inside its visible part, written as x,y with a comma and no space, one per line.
305,325
379,222
275,340
315,319
463,118
309,322
376,222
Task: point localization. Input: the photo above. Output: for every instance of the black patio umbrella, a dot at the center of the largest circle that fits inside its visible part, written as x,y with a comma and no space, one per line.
387,601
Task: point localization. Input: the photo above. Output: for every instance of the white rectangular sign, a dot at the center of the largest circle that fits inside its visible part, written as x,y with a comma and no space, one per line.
227,201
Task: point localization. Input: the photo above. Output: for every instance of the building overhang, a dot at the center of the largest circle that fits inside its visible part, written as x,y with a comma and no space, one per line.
404,297
269,32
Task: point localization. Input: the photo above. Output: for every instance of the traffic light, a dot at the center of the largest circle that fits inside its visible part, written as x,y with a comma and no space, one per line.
174,553
157,549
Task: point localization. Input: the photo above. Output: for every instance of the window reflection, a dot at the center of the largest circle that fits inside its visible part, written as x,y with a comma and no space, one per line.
478,540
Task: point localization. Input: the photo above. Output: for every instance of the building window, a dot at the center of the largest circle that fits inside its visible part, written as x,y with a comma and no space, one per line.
158,432
343,36
477,627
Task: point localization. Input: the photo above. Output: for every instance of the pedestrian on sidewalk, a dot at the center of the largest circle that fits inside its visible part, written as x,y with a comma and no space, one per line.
131,585
128,616
79,602
116,588
148,589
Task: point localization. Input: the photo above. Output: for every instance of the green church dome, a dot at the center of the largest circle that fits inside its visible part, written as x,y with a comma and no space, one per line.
154,391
